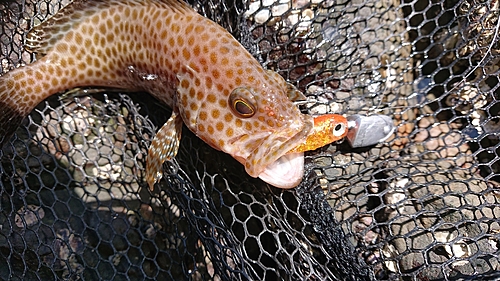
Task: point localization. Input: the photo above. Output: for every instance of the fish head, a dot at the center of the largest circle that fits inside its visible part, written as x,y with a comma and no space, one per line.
257,124
269,125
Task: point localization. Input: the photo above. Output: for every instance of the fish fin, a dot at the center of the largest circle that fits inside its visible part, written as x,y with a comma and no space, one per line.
11,113
293,93
44,36
163,147
41,38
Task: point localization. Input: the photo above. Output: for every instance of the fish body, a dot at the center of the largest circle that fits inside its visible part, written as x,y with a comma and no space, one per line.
214,86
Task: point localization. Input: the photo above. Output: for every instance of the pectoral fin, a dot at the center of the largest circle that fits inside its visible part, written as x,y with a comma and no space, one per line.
163,147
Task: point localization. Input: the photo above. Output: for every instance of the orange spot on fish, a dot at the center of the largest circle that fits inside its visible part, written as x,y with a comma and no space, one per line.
163,35
208,83
223,103
196,50
213,58
216,75
228,117
211,98
238,123
224,50
203,116
184,83
219,126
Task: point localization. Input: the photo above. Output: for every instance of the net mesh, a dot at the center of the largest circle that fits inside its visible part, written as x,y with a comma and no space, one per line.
421,206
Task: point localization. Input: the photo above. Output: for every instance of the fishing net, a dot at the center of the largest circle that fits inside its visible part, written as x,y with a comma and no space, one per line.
423,205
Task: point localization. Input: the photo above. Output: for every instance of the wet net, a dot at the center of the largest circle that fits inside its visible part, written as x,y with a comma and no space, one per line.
424,205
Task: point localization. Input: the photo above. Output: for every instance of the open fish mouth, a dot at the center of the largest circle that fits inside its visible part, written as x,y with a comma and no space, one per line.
286,172
266,154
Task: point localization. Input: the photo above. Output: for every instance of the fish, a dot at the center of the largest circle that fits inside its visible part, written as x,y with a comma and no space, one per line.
213,85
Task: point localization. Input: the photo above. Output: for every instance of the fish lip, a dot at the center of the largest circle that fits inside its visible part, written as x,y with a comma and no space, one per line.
266,154
286,172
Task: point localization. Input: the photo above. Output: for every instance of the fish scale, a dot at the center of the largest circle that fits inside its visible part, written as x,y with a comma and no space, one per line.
184,60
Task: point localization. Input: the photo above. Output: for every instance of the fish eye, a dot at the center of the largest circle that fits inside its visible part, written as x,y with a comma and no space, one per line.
243,108
339,129
242,102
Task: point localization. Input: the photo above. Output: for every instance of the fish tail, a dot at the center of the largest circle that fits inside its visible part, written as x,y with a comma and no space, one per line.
15,104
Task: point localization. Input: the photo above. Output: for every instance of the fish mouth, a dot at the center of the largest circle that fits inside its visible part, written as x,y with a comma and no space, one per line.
286,172
267,154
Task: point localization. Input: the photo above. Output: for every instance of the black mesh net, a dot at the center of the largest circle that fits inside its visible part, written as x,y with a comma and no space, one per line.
421,206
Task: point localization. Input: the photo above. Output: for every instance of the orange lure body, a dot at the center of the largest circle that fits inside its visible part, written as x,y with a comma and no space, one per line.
327,129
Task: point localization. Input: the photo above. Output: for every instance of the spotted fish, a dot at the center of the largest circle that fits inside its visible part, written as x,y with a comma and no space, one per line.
214,86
